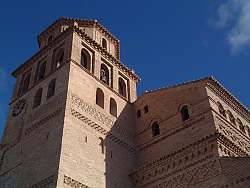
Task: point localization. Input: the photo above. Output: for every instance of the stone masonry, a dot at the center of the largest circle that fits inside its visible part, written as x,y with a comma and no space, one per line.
75,121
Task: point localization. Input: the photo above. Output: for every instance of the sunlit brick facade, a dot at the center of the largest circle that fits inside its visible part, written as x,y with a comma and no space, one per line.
75,121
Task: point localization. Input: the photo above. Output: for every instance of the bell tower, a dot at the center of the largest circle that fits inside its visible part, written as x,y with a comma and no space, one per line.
71,115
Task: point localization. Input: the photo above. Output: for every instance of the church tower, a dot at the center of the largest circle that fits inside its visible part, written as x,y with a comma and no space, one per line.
71,115
75,122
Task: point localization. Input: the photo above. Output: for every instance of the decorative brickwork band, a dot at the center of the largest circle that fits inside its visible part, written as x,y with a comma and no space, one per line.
44,183
101,130
73,183
91,111
42,121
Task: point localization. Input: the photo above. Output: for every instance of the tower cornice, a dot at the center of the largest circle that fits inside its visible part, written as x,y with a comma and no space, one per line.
90,41
87,22
216,87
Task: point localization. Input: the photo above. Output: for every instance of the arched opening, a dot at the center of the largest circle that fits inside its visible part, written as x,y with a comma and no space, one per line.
122,87
58,59
155,129
41,71
104,43
231,117
222,111
85,59
185,113
113,107
51,88
104,74
100,97
241,126
38,98
25,82
146,109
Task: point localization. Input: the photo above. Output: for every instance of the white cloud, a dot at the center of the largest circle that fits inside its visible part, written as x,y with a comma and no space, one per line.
235,16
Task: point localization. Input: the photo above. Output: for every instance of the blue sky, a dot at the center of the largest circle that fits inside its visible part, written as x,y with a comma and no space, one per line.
165,42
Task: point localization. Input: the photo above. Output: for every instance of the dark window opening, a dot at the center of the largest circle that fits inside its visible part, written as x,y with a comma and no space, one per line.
85,59
146,109
24,85
104,74
113,107
51,88
38,98
104,43
58,58
138,113
185,113
122,88
40,71
100,97
155,129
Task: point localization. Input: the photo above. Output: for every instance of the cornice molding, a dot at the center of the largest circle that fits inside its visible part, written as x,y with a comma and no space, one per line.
86,38
101,130
87,22
153,163
228,143
217,88
196,119
215,102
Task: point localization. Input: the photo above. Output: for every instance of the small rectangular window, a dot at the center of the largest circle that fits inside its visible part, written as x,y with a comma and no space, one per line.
138,113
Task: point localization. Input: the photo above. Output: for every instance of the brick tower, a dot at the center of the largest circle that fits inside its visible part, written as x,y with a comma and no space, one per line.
70,115
75,121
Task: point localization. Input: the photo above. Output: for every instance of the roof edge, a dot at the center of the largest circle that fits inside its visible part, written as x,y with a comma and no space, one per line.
210,79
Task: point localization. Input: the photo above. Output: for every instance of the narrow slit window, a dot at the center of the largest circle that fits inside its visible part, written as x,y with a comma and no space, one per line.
185,113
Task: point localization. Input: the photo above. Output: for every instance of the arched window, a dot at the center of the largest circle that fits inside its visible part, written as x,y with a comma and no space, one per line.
58,59
146,109
24,85
122,88
100,97
241,126
104,43
38,98
50,39
104,74
185,113
40,72
155,129
221,109
113,107
231,117
51,88
85,59
102,144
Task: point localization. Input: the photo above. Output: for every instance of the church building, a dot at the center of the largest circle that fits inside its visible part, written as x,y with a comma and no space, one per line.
75,121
